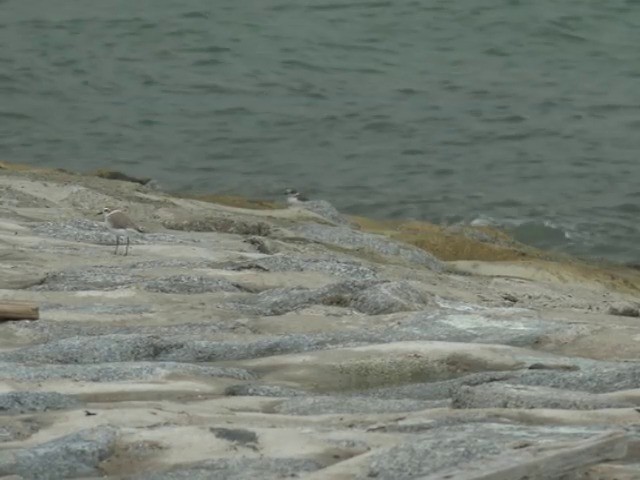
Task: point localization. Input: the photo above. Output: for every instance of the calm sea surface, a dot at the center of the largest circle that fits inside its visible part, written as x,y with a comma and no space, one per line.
518,113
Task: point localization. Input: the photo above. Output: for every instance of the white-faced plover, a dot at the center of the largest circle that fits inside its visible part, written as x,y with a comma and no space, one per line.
119,223
294,197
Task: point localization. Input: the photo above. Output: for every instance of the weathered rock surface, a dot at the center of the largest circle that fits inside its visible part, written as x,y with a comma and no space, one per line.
504,395
325,210
355,240
28,402
238,469
449,446
234,343
370,297
71,456
115,371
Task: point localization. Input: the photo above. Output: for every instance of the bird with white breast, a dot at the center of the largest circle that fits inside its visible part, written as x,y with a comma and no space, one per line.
294,197
120,224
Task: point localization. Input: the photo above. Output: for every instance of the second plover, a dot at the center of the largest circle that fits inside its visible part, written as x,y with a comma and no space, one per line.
294,197
119,223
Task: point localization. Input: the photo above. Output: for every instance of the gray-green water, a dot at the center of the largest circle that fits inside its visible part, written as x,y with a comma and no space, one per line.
521,113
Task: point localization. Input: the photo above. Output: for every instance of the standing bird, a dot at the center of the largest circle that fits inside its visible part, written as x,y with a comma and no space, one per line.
119,223
294,197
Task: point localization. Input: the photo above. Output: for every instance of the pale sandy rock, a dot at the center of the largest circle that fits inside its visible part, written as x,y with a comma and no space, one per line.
270,343
388,364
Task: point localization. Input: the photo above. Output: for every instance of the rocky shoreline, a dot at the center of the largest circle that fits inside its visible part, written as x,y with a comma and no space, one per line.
281,342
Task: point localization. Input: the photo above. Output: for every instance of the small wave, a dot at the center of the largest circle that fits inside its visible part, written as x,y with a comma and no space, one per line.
14,116
611,107
207,49
303,65
627,208
380,126
483,221
195,14
148,122
216,88
543,234
232,111
355,47
350,5
207,62
412,152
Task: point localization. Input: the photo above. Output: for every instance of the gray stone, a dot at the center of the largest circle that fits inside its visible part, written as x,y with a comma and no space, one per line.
185,343
388,297
75,455
438,390
20,279
625,309
433,324
505,395
264,245
325,210
366,296
172,263
87,231
211,351
276,301
190,284
261,390
12,429
293,263
110,278
77,230
321,405
132,348
83,350
590,376
155,333
499,326
236,435
353,239
61,330
115,372
28,402
237,469
97,309
221,224
448,446
89,278
583,375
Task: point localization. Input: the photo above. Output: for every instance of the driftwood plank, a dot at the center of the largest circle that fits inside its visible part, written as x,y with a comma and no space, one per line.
539,463
18,311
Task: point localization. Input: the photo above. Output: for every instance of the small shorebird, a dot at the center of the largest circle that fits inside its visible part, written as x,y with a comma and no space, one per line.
119,223
294,196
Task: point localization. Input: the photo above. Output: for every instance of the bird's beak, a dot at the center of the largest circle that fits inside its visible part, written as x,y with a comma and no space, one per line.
99,213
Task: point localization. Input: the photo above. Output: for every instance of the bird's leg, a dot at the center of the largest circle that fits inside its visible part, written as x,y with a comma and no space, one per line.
117,244
127,249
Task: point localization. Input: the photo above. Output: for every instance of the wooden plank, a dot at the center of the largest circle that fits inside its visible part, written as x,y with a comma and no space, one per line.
18,311
541,463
